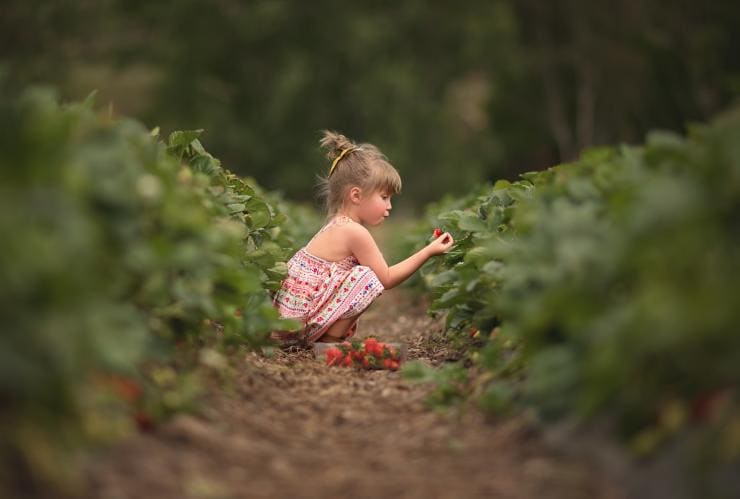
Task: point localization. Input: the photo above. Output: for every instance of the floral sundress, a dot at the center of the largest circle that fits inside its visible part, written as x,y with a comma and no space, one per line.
319,292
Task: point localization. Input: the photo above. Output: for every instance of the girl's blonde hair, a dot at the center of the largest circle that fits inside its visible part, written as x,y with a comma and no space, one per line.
361,165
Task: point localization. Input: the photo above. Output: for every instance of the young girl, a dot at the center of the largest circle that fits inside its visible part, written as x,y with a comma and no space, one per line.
338,274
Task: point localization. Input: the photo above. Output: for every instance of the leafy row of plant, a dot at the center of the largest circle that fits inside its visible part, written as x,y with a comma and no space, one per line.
129,263
606,288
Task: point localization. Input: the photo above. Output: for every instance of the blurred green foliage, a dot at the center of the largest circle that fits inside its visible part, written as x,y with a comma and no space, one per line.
454,93
120,249
607,287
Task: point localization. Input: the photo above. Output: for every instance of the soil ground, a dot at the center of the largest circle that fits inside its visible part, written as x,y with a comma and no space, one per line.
290,427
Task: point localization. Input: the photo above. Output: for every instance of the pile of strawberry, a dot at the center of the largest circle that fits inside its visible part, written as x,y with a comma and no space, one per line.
367,354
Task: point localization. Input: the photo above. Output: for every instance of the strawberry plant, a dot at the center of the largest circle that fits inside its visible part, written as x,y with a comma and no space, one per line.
604,287
129,253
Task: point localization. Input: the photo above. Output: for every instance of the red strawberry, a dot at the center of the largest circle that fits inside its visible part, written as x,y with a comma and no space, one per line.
437,233
379,350
333,356
144,421
707,404
394,365
126,388
365,363
386,351
347,362
373,347
387,363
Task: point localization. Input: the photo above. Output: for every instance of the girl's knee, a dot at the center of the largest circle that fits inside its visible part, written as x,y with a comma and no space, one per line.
365,271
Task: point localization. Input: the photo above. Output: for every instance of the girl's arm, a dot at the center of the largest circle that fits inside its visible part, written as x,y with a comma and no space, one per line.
363,246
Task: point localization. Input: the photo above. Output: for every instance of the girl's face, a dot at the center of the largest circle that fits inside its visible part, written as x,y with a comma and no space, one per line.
374,208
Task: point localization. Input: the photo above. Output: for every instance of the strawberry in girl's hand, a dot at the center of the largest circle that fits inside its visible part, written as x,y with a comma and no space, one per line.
438,232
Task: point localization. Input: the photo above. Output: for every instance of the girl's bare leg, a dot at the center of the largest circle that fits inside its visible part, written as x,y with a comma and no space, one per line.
338,330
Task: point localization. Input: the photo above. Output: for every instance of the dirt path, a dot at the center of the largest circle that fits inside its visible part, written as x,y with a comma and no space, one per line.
292,428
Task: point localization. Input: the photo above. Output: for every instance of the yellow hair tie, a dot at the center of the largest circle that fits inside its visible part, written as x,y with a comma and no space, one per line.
341,155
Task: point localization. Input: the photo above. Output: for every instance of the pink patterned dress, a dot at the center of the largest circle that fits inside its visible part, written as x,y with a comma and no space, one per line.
319,292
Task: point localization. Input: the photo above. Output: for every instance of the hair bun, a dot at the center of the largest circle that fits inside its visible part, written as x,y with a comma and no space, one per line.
334,143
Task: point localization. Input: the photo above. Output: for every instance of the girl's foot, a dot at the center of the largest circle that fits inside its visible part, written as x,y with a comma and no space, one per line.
289,340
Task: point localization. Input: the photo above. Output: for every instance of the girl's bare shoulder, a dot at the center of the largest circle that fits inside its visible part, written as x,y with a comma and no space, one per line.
344,234
350,228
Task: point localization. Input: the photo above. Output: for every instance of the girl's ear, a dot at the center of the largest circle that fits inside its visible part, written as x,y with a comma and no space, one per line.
355,195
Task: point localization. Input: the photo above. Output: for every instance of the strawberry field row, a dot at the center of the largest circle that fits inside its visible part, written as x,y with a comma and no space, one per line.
128,263
606,289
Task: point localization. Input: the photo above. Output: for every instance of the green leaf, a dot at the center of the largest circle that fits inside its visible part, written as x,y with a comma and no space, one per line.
205,164
198,147
451,217
183,138
497,397
442,278
236,207
471,223
258,219
280,269
417,371
89,101
258,213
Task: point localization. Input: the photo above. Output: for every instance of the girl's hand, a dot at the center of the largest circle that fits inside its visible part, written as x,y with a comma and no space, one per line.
441,244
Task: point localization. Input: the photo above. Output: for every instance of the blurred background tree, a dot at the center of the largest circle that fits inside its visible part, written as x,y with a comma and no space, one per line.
455,93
